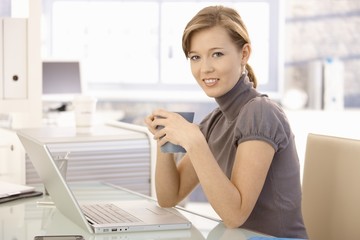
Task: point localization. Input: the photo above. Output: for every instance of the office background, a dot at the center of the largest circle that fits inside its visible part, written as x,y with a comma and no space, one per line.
139,66
310,32
105,36
130,68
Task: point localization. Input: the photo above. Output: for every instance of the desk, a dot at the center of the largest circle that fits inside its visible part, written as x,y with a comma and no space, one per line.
24,219
120,155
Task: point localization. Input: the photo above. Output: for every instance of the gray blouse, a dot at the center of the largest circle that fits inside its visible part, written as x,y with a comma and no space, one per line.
244,114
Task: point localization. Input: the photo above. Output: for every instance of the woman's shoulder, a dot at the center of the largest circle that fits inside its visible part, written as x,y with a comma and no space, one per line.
262,105
262,100
262,118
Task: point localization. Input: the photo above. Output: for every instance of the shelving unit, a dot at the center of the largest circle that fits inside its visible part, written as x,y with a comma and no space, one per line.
20,83
20,67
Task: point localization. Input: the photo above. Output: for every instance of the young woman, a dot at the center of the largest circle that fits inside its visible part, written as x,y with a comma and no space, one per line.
243,153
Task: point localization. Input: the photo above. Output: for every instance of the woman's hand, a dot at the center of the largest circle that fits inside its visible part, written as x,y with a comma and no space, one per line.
174,180
170,127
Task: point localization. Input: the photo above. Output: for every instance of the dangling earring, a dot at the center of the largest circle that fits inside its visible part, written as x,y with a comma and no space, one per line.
244,70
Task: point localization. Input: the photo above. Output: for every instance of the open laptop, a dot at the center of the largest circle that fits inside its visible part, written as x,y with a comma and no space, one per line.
141,215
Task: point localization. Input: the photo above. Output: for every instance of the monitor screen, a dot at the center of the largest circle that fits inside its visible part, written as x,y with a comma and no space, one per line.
61,79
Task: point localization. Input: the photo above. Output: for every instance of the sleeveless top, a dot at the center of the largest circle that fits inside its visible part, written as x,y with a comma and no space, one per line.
244,114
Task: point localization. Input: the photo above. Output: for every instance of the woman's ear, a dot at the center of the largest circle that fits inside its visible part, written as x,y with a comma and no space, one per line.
246,52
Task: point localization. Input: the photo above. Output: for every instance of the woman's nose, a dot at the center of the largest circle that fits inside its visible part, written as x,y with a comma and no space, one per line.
207,66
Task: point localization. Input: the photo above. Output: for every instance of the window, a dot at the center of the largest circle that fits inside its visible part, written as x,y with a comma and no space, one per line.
133,48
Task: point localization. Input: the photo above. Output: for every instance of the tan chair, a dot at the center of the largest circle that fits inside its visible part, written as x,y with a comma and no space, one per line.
331,188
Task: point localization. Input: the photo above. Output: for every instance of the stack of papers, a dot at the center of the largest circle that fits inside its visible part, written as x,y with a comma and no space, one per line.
12,191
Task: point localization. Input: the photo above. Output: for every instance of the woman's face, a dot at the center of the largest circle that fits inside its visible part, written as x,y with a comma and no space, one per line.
216,62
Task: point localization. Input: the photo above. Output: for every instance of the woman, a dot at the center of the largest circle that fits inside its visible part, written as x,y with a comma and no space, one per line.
243,153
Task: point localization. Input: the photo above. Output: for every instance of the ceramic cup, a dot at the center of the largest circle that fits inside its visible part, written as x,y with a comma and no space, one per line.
173,148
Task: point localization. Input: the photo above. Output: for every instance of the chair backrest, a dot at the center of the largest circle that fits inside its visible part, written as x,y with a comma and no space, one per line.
331,188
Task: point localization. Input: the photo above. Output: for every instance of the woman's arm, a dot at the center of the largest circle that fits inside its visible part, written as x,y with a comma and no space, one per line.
233,199
173,181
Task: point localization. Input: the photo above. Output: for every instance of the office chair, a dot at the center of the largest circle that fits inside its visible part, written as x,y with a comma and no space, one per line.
331,188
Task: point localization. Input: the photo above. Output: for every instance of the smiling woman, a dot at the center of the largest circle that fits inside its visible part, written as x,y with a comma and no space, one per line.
214,59
116,56
242,153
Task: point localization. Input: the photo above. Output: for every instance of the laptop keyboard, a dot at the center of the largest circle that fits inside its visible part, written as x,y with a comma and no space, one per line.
108,213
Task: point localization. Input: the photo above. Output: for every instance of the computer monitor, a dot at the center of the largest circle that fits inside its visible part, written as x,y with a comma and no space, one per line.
61,80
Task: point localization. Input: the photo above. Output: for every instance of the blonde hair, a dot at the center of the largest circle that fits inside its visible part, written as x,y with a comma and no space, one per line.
225,17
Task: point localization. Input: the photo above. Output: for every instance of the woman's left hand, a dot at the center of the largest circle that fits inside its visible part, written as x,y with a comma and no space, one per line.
172,127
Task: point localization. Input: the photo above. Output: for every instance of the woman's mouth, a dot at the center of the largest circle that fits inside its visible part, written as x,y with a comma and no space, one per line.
210,81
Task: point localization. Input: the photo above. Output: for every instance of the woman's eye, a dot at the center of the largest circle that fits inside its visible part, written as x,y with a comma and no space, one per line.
194,58
218,54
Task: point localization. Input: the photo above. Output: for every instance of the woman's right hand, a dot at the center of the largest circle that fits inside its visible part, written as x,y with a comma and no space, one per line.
148,121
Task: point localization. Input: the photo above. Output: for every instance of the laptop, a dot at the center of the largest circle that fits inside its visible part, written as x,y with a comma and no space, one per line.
143,215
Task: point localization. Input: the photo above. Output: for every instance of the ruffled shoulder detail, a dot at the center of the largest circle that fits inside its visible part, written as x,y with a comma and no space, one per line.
263,119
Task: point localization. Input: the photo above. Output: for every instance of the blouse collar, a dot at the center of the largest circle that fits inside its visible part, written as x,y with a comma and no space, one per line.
232,102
